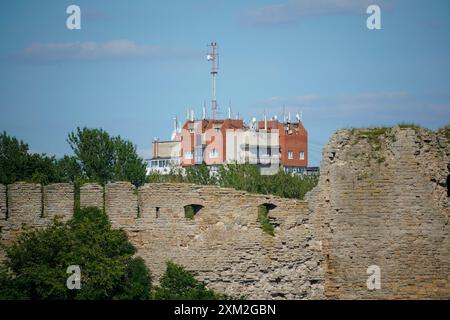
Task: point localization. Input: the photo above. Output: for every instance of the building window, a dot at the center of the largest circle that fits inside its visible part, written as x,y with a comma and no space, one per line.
290,155
213,153
188,155
217,127
302,155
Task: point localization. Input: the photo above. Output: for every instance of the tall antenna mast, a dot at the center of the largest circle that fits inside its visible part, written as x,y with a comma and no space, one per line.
212,56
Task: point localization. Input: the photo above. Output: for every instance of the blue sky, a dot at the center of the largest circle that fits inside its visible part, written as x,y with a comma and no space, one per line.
136,64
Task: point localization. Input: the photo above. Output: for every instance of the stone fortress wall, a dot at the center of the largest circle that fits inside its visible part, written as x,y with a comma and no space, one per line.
381,200
224,244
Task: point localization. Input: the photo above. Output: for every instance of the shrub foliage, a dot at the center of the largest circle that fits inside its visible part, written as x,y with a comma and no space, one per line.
245,177
36,265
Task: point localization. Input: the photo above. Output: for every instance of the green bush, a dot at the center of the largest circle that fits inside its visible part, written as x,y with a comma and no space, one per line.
199,174
404,125
36,265
263,218
104,158
174,176
98,158
17,164
179,284
245,177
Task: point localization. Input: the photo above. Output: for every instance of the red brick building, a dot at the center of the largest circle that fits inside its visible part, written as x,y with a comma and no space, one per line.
293,139
205,141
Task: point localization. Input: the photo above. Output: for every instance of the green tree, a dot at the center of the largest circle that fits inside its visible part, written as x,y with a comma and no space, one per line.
13,159
104,158
179,284
17,164
199,174
41,169
36,265
175,176
242,177
69,169
95,151
248,177
263,218
127,165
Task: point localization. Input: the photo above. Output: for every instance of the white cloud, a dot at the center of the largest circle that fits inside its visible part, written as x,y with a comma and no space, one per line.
295,10
90,51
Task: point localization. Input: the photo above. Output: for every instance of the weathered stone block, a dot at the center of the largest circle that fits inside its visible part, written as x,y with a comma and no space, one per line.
91,195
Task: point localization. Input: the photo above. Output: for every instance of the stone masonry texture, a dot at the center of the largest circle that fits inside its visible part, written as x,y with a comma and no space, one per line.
91,195
381,200
224,245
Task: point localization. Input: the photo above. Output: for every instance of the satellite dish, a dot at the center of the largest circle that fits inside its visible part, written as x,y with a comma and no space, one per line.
253,119
208,57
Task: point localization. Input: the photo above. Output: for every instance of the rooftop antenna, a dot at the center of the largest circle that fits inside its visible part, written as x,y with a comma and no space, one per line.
204,111
213,57
229,111
175,123
301,116
284,113
175,129
265,120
